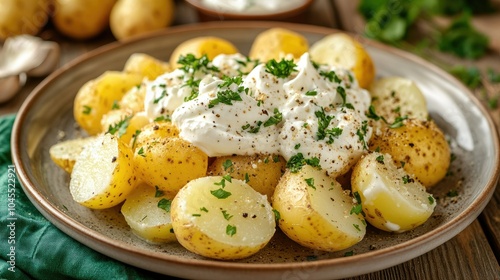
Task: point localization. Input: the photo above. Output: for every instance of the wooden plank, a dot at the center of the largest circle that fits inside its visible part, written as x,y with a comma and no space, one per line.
490,220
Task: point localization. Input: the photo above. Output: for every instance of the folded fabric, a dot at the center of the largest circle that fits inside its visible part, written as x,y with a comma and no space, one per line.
32,248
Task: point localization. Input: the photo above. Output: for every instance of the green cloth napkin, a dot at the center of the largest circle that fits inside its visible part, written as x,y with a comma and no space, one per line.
41,250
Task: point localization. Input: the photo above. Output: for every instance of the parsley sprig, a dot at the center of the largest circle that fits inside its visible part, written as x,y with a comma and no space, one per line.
323,130
398,122
281,69
296,162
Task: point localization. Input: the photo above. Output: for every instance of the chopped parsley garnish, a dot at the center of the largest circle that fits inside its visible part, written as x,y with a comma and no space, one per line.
331,76
228,81
220,193
158,192
227,164
358,208
115,105
380,159
163,118
141,152
120,127
407,179
86,110
134,137
274,119
226,215
297,146
341,92
296,162
204,209
310,182
311,93
452,193
323,131
245,64
431,199
191,64
162,95
356,226
398,122
196,215
252,129
349,253
281,69
230,230
194,85
362,133
277,215
165,204
247,178
226,97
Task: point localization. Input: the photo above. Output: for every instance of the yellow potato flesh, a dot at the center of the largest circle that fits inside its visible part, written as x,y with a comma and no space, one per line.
145,218
103,174
199,46
64,153
276,43
316,212
233,227
146,65
391,199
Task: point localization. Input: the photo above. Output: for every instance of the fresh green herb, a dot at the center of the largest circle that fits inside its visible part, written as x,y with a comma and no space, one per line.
277,215
86,110
281,69
470,76
165,204
115,105
226,97
120,127
407,179
341,92
356,226
158,192
204,209
196,215
310,182
251,128
380,159
452,193
245,63
398,122
226,215
230,230
134,137
358,208
190,64
220,193
462,39
228,81
331,76
311,258
247,178
296,162
297,146
141,152
194,84
276,158
362,134
323,131
227,164
311,93
431,199
493,76
349,253
162,95
274,119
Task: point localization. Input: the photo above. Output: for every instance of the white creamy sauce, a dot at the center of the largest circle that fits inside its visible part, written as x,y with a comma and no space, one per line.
318,113
252,7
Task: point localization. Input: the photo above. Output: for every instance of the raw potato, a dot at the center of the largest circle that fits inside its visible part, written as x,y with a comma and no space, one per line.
261,172
208,223
169,163
144,216
82,19
146,65
22,17
199,46
391,199
342,50
96,97
276,43
134,17
64,153
316,212
394,97
420,145
103,174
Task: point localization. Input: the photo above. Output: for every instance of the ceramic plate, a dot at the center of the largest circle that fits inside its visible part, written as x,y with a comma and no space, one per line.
47,115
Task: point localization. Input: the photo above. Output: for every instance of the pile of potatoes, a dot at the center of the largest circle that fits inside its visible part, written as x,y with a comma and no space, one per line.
228,207
84,19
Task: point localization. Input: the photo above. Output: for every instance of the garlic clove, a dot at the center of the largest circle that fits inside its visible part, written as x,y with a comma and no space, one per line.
10,85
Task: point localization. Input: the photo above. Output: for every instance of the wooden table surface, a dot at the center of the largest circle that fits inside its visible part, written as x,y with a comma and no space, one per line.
472,254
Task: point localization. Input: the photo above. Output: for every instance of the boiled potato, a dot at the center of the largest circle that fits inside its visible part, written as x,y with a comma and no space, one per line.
124,123
261,172
64,153
222,218
147,213
342,50
134,17
199,46
276,43
134,99
155,131
169,163
146,65
82,19
22,17
418,145
316,212
394,97
391,199
103,174
96,97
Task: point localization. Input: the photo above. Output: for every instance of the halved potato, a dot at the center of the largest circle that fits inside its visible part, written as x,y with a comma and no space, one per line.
147,212
391,199
146,65
344,51
222,218
199,46
316,212
103,174
64,153
277,43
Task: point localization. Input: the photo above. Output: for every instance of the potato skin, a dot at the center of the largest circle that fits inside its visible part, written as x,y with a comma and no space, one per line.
420,145
169,163
82,19
263,172
276,43
22,17
146,65
315,211
205,45
96,97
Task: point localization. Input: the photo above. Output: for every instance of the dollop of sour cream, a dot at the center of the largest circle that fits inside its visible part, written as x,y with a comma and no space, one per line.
245,108
253,7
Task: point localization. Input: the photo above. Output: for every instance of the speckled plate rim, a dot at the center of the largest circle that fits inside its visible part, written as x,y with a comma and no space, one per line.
212,269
